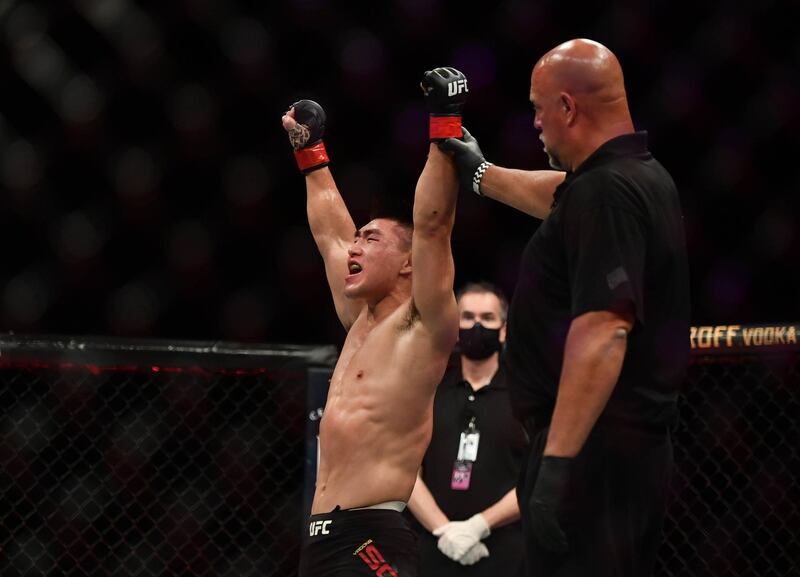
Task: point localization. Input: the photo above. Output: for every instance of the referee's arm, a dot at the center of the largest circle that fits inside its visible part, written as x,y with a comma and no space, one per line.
593,356
529,191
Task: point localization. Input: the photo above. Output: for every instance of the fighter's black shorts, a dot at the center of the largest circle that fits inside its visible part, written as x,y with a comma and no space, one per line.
369,542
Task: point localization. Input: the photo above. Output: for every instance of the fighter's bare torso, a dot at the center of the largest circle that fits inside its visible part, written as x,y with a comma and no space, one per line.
377,420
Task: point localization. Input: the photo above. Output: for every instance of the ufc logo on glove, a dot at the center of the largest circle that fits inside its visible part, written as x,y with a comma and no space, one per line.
457,87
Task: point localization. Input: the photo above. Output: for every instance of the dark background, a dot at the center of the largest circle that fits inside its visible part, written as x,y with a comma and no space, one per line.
149,190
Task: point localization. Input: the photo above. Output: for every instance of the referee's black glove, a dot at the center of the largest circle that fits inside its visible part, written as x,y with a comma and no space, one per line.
469,160
545,502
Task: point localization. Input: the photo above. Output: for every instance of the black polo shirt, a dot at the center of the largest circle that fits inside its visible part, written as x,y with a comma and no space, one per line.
614,240
500,450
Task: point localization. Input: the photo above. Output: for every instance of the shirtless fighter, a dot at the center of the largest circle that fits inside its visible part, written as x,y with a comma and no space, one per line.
392,286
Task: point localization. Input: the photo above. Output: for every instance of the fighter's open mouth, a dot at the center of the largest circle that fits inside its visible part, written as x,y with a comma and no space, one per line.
355,268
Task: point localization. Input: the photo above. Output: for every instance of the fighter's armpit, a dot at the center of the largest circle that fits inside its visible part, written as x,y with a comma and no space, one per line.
410,316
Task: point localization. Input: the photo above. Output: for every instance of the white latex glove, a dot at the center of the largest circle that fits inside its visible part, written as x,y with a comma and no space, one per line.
458,537
475,554
439,531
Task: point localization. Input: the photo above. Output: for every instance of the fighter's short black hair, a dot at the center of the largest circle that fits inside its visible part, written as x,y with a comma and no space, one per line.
394,206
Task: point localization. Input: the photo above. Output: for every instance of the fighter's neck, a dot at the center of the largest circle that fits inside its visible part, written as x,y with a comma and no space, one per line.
479,373
376,312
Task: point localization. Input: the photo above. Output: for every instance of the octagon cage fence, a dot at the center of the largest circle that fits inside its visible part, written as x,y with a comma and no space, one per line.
155,458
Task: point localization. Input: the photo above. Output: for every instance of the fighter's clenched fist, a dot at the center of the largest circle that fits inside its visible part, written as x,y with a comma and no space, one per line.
445,95
305,124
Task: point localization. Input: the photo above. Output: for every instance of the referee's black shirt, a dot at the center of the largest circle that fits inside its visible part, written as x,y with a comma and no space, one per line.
614,240
501,447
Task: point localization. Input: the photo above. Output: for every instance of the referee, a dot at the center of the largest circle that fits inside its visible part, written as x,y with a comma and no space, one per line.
599,323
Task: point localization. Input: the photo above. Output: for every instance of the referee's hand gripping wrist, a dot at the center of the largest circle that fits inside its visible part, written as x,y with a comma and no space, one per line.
546,501
469,160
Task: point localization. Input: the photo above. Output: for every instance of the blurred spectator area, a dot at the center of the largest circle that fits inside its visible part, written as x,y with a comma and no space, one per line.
148,188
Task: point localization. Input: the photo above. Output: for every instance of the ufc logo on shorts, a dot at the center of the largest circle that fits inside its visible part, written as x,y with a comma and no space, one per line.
317,527
375,561
457,87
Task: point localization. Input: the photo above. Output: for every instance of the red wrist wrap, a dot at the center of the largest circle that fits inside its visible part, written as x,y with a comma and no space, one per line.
311,157
445,127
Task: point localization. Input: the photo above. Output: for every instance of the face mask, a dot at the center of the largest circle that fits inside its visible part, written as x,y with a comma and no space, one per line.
478,342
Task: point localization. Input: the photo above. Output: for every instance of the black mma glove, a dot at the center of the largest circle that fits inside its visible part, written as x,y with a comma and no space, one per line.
545,503
445,95
306,136
470,163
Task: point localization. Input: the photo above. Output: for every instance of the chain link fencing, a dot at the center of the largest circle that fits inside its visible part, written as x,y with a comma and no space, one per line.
152,459
735,504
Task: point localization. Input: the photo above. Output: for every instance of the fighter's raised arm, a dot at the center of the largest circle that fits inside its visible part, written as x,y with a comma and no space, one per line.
434,209
431,257
330,221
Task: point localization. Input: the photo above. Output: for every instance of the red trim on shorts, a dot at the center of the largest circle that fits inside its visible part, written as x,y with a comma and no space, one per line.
445,127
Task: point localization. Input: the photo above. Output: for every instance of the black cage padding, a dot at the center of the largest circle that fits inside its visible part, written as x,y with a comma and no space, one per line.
156,458
151,458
